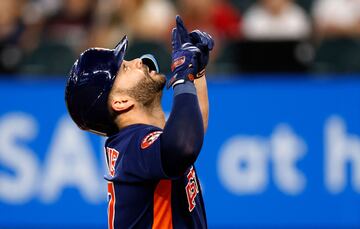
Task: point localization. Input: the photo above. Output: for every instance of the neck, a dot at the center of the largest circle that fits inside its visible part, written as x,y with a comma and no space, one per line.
151,116
157,117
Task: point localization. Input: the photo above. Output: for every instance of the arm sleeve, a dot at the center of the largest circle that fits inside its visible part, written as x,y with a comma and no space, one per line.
183,134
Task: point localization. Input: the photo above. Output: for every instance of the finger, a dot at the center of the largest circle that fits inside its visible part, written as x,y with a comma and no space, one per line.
194,67
191,48
210,43
202,39
198,37
175,42
182,31
194,37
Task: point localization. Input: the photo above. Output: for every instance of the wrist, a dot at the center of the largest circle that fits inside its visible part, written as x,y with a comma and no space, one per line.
185,88
200,73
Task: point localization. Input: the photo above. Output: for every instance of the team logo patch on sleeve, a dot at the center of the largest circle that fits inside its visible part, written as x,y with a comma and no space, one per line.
150,139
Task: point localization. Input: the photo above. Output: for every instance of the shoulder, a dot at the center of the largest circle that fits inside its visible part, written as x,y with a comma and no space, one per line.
148,139
145,137
135,135
134,153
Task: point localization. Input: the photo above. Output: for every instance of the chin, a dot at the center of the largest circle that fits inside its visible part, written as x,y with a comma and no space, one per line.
161,79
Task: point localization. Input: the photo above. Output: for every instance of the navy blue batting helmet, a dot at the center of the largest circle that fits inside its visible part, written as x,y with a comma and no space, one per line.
89,85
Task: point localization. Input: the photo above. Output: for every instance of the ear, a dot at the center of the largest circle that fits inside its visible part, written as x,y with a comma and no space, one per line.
121,103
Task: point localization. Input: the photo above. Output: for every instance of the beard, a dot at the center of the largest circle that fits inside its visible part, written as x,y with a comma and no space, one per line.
148,91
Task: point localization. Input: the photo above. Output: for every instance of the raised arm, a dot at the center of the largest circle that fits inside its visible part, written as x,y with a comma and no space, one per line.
183,133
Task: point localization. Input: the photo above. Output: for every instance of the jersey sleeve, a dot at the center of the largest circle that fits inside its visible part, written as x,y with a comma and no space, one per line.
143,160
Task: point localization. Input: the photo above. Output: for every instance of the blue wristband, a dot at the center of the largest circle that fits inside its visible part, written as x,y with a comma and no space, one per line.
187,87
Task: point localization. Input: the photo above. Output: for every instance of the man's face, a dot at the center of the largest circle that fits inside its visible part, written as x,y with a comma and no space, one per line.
136,80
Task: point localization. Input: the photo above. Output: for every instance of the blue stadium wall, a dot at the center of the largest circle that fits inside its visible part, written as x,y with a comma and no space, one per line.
279,153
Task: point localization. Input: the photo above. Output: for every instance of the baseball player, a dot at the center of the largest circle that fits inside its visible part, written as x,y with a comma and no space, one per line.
152,182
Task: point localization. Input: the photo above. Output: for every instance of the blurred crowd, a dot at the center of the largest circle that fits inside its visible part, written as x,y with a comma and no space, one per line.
44,37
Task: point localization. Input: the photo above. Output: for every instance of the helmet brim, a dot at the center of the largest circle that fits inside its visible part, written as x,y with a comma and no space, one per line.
120,50
151,62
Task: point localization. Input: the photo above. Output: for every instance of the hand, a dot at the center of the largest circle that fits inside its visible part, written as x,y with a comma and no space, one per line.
184,65
201,40
205,43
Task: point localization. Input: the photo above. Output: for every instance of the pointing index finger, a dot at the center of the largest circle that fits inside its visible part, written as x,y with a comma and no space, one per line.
182,31
176,44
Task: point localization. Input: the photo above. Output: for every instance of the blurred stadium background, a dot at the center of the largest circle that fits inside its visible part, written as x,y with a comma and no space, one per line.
283,145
